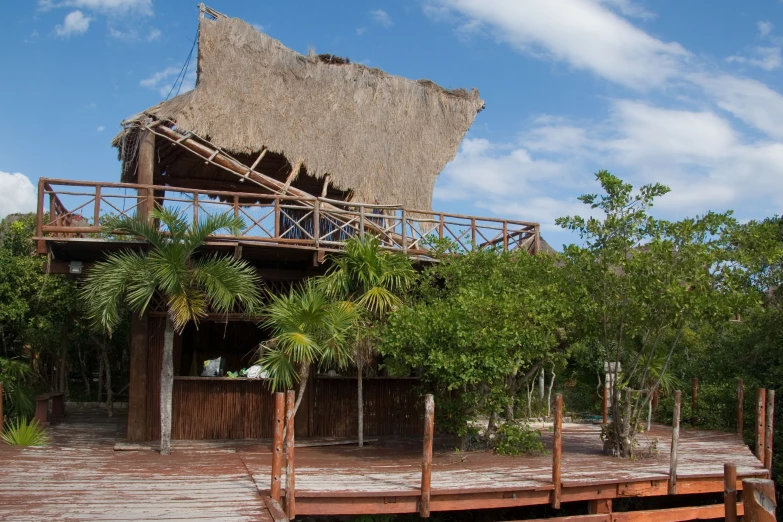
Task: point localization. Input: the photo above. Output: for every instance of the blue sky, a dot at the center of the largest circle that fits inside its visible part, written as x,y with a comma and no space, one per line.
685,93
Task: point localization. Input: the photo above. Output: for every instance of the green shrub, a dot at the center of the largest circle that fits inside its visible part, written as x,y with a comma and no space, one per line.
513,439
23,432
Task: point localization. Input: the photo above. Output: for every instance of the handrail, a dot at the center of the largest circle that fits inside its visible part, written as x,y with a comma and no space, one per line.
312,222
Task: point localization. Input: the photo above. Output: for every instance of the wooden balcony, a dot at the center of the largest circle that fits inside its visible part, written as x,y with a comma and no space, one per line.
77,209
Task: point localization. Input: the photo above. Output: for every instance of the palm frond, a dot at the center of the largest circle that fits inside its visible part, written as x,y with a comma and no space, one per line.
280,370
208,226
228,282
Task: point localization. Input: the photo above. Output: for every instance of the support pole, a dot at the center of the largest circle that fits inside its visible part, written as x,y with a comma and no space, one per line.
770,432
605,405
277,448
137,384
761,398
759,499
675,443
290,487
557,451
740,408
426,458
730,492
146,168
694,400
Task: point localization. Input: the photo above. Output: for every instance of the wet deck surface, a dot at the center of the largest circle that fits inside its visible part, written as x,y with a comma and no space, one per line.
81,476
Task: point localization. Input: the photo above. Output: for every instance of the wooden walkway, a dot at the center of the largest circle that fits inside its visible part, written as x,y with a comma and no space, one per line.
81,476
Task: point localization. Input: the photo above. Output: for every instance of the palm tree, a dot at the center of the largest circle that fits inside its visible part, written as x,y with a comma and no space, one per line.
191,285
373,280
306,329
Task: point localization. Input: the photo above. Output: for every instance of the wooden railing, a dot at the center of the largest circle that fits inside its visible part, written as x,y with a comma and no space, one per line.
309,222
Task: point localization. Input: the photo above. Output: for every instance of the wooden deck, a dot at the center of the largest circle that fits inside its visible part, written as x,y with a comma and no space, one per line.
82,477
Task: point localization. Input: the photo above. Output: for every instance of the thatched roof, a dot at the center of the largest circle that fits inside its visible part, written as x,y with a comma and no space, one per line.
383,137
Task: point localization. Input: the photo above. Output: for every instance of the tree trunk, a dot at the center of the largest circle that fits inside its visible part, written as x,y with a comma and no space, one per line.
107,369
304,375
549,393
61,370
510,410
360,402
166,388
649,414
83,367
541,383
492,422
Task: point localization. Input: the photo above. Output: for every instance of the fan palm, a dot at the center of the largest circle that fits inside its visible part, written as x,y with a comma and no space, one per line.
306,329
373,279
191,285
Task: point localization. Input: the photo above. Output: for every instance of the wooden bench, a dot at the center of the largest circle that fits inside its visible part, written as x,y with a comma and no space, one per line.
42,406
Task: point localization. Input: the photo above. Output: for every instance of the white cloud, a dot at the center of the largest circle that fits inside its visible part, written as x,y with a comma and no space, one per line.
165,79
360,31
17,194
767,58
75,23
142,7
101,128
382,17
586,34
765,28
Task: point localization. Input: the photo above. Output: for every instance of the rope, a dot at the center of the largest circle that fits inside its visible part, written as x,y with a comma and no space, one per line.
181,76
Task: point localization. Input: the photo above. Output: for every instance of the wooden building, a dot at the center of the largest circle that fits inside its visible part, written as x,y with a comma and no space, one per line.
308,151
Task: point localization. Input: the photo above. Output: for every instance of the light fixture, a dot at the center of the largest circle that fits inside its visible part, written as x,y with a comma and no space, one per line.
75,267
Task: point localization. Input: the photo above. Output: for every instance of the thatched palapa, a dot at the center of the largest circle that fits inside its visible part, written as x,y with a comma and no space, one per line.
382,138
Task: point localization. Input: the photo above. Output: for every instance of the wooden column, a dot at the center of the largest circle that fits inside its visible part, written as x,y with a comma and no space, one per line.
770,431
290,489
694,400
426,458
759,500
40,244
740,408
761,399
605,405
146,168
675,442
137,388
557,450
277,446
730,492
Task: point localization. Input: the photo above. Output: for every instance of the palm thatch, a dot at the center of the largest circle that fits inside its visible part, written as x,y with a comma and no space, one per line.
383,138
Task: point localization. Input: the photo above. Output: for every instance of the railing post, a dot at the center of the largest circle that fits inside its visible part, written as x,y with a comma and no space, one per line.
730,492
96,216
741,408
537,240
473,233
404,232
236,206
277,217
505,236
761,398
675,443
442,226
769,436
195,207
290,489
317,222
41,245
694,399
557,451
426,459
361,220
758,496
277,448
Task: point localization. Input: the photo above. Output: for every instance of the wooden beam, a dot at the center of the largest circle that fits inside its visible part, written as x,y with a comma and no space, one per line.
675,441
730,492
292,176
759,499
277,449
275,510
761,398
290,481
601,506
426,459
146,170
137,388
770,431
557,451
325,188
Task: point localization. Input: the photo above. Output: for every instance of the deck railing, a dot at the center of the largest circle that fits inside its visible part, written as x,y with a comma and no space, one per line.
315,223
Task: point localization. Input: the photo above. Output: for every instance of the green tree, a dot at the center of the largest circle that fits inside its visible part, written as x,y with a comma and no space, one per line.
373,280
191,285
648,281
481,326
307,329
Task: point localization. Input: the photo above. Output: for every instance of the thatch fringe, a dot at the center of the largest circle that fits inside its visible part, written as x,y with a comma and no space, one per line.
383,137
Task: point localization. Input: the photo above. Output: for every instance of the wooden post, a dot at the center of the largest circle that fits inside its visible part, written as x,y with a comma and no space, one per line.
441,226
146,168
277,448
730,492
761,398
741,408
537,243
601,506
605,405
361,220
694,399
277,217
675,442
759,499
557,450
505,235
769,435
41,245
316,224
137,386
96,212
426,458
404,232
290,489
473,233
